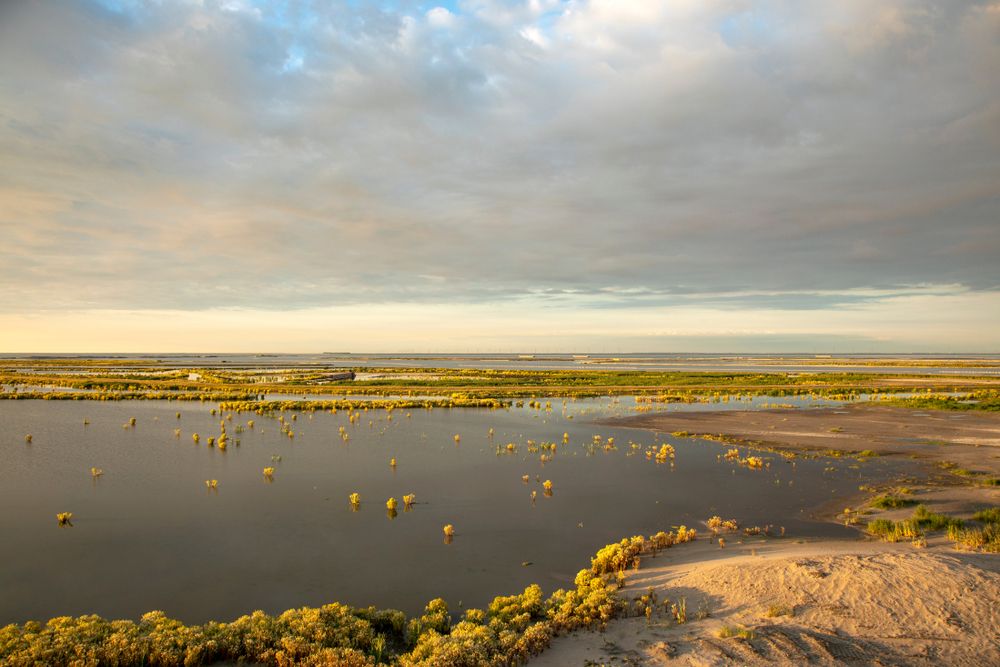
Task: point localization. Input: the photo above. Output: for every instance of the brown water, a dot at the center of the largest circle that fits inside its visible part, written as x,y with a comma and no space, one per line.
147,534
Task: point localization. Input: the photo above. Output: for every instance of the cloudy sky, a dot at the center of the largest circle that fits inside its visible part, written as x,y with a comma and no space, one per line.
487,175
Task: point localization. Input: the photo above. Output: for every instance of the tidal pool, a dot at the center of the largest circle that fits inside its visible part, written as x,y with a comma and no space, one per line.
148,534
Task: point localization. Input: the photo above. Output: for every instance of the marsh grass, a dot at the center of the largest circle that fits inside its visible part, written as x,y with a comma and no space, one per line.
989,515
985,538
913,529
887,502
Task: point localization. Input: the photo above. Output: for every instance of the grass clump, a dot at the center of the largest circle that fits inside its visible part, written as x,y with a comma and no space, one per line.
894,531
989,515
776,610
890,502
928,520
727,631
986,538
913,529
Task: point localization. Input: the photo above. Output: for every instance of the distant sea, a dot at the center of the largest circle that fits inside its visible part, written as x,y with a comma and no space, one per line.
948,364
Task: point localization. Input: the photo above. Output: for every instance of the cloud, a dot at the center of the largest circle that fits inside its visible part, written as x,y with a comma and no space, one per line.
282,156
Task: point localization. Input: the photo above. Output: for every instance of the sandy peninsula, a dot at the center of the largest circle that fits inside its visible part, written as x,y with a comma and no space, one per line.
784,601
971,439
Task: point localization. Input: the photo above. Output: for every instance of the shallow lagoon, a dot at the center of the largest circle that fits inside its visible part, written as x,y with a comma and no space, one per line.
148,535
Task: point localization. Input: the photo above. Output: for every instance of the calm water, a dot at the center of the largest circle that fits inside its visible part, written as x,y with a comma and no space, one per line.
149,535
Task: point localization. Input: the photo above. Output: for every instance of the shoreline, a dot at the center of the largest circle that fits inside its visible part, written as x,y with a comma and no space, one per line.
790,601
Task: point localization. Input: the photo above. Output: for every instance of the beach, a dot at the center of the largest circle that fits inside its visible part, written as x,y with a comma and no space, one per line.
759,601
825,602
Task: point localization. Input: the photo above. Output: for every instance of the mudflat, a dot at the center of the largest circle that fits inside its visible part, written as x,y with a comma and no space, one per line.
970,439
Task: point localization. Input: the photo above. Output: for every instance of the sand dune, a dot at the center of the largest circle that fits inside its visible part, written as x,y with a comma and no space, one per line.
850,603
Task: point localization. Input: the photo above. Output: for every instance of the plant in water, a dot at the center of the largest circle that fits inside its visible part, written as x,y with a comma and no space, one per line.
195,437
212,483
64,518
390,504
269,472
392,462
717,523
27,438
449,530
408,500
96,472
355,499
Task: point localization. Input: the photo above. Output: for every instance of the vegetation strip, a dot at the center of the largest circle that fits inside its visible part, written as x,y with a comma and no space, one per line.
509,631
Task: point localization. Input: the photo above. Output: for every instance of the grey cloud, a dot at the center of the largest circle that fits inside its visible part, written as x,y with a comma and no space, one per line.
167,157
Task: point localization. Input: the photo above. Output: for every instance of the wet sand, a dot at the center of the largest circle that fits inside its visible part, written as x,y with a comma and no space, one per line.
969,439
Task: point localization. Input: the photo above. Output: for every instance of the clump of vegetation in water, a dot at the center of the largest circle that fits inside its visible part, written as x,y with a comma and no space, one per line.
717,523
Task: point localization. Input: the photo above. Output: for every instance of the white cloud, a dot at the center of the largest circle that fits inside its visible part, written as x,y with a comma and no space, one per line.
440,17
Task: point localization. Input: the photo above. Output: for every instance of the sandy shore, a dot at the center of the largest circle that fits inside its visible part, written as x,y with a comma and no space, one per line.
826,602
857,602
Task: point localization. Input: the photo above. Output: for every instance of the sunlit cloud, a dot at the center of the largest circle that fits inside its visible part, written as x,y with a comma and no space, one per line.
709,168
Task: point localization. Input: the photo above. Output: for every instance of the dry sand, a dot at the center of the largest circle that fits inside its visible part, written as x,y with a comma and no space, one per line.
851,602
864,603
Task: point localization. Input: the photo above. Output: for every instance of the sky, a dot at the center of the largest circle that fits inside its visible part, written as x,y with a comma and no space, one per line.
485,175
